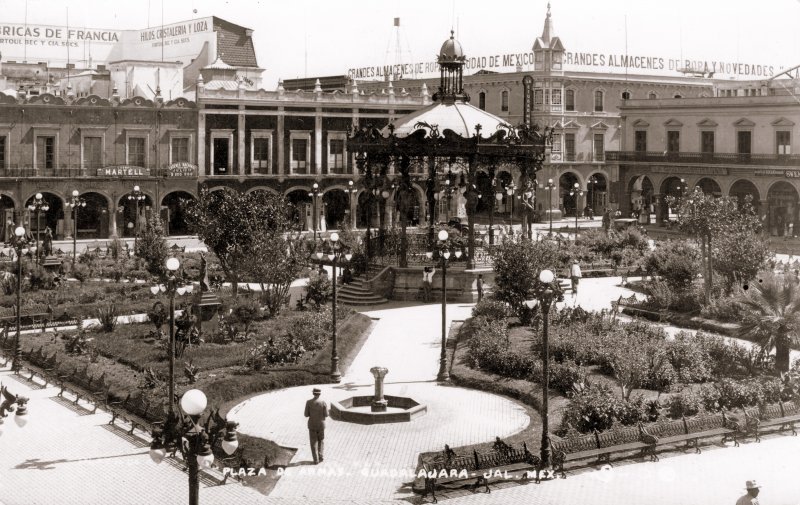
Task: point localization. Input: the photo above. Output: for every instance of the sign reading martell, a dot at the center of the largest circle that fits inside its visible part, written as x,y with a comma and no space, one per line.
123,171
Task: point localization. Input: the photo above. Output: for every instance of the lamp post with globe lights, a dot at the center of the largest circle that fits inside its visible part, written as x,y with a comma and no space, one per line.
75,202
351,190
19,243
171,288
38,206
136,196
315,193
195,442
337,253
576,192
546,292
444,254
549,187
510,189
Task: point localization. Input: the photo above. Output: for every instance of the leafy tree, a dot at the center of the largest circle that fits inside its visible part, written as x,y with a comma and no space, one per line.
772,317
677,262
152,247
251,236
708,218
739,255
517,266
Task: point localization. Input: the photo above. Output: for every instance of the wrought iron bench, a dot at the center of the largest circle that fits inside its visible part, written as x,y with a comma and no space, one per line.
502,462
599,445
137,411
781,415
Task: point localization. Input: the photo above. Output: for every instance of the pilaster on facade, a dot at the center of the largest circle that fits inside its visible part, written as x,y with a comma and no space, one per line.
240,137
318,142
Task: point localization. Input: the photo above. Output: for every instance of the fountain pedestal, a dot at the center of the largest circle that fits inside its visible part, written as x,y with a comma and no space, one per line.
379,403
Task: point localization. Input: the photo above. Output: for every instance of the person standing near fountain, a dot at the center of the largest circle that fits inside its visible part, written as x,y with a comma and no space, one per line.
316,412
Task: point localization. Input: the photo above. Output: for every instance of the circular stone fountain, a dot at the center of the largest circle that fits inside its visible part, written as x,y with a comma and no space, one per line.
378,408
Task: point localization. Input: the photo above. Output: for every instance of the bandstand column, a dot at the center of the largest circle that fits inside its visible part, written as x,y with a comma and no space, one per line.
240,138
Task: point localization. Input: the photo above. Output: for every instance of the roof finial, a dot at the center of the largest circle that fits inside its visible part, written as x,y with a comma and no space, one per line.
452,33
548,9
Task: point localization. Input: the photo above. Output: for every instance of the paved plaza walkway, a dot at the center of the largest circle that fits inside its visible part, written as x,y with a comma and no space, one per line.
377,461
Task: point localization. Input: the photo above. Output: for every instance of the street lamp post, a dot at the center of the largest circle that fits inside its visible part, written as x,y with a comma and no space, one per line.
337,254
75,202
173,264
546,293
525,199
576,192
314,194
550,187
38,206
19,242
136,196
444,254
592,182
195,442
510,189
498,196
351,190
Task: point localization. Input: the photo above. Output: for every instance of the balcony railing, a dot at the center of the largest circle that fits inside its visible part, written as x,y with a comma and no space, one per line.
784,160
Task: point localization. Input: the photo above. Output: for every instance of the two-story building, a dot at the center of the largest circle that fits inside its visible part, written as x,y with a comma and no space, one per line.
734,144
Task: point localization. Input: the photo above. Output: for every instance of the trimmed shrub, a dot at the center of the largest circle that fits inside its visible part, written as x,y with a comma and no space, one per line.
685,403
491,309
565,377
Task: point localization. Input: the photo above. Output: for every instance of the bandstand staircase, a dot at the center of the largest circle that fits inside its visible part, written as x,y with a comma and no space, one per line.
357,293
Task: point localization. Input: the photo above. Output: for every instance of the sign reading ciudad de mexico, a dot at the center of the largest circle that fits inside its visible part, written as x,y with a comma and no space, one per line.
578,61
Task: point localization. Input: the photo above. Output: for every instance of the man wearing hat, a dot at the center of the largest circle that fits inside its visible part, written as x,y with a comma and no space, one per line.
575,275
316,412
752,492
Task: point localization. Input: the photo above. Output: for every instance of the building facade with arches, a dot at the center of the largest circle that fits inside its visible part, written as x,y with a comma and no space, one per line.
100,148
285,142
735,145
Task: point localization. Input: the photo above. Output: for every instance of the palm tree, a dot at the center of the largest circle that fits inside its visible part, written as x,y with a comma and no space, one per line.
771,317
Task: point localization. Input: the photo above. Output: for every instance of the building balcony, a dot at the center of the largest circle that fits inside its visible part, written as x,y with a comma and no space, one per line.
787,160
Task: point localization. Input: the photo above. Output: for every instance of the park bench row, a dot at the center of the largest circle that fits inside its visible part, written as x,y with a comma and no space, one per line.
135,409
633,307
504,462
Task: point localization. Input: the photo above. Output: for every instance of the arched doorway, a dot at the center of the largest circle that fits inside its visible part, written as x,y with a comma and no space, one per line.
743,188
566,184
597,193
126,214
301,208
7,210
173,212
676,188
782,208
709,186
641,191
52,218
335,205
93,219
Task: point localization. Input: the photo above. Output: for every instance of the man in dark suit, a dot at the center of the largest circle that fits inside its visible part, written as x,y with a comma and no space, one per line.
316,412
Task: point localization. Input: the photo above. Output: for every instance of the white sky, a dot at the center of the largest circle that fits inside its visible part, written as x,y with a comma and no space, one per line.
342,34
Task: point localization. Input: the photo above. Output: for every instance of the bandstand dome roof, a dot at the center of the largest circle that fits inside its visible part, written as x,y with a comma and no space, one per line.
461,117
451,49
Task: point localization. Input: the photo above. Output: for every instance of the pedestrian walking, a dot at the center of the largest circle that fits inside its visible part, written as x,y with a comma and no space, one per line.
752,492
316,412
427,283
607,220
480,287
575,275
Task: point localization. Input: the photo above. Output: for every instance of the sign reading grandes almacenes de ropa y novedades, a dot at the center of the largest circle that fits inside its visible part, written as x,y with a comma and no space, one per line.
577,61
123,171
